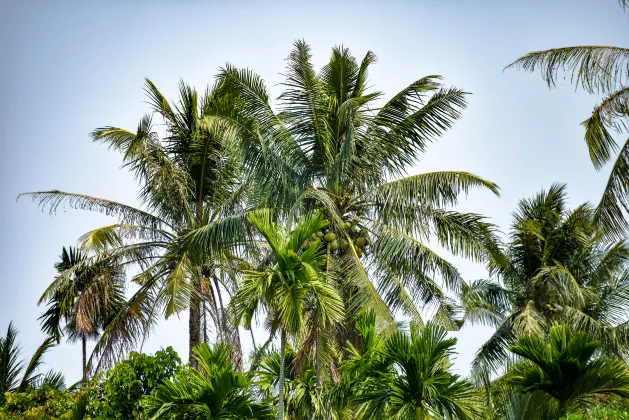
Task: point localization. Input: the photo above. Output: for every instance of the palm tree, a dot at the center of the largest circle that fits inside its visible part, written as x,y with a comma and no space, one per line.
601,70
417,383
11,367
335,145
290,288
84,305
300,389
557,267
567,370
216,391
190,179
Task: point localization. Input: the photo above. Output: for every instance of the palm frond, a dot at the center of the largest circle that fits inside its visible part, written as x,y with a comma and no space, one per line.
30,375
594,68
54,200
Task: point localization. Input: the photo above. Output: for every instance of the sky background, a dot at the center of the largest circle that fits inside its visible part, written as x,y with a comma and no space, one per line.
69,67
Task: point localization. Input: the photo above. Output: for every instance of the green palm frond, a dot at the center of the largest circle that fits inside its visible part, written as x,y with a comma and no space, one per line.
610,212
594,68
612,113
55,199
30,375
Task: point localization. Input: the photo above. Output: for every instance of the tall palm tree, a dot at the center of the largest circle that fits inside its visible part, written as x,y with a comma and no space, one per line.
335,144
557,267
293,286
602,70
11,367
566,369
190,179
417,383
84,305
214,392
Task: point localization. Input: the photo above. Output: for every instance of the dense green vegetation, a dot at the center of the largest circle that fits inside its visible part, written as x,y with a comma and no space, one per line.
301,218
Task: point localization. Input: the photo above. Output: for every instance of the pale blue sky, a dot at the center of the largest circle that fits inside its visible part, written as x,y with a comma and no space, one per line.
69,67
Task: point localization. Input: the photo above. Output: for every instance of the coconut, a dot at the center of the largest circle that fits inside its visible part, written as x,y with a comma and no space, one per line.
330,236
348,225
319,234
334,245
343,243
359,253
360,242
364,232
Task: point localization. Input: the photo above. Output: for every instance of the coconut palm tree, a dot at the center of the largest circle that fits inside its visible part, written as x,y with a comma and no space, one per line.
566,370
83,306
602,70
214,392
190,179
292,287
417,384
335,144
557,267
15,376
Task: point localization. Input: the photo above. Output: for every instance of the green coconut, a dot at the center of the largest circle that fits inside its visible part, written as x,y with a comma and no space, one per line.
319,234
343,243
360,242
348,225
359,252
334,245
364,232
330,236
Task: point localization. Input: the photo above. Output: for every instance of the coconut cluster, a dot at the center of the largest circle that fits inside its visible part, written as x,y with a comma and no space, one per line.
336,241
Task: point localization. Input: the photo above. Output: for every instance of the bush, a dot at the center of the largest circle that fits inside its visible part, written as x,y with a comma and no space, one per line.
117,393
39,404
602,413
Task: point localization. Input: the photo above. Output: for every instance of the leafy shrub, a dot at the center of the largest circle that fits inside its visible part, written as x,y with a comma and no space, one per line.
117,394
41,404
602,413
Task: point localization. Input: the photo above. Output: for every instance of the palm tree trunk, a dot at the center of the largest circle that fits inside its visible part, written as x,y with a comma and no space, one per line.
194,323
84,351
563,409
280,409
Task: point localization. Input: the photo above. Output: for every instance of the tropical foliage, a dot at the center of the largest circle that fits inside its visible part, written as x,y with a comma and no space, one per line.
16,375
601,70
306,217
556,268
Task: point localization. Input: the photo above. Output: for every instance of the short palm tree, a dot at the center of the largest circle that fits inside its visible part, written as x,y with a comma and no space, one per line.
300,389
15,376
566,369
83,306
417,384
190,180
216,391
557,267
337,145
603,70
291,287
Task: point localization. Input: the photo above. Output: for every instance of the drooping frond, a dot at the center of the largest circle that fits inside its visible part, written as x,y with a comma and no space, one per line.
610,212
612,113
594,68
55,200
31,375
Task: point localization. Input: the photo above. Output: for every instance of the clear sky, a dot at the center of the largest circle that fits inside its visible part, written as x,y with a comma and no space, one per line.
69,67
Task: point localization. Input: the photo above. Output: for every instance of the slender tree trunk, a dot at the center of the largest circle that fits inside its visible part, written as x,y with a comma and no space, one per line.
280,409
194,323
84,351
205,340
419,413
563,409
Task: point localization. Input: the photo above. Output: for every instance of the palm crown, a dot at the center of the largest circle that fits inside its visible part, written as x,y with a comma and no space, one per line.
189,181
557,267
335,145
